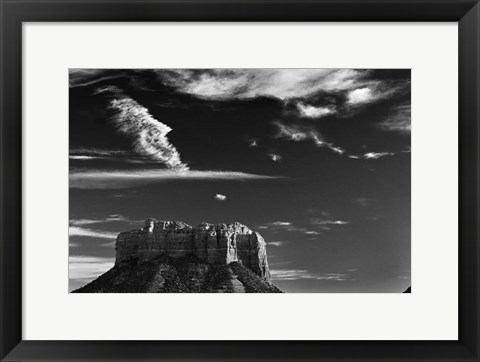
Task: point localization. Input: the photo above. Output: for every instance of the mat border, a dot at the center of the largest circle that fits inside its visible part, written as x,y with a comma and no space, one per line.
14,12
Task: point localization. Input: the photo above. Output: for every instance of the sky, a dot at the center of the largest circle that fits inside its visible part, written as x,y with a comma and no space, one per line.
315,160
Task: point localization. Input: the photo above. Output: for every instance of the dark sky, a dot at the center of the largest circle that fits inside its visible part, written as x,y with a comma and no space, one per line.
316,160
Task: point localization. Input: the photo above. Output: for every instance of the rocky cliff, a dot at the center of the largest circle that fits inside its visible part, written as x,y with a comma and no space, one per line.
173,257
212,244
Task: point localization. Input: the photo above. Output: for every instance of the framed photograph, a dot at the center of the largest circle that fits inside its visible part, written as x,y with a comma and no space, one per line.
250,181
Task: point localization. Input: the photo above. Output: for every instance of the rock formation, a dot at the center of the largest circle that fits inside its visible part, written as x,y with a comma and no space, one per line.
173,257
212,244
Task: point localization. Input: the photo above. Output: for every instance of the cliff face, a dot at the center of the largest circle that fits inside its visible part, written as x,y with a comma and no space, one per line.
212,244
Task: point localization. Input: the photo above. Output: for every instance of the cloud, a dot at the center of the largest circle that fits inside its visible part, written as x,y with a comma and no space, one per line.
120,179
399,120
85,77
109,219
274,157
309,111
226,84
361,95
86,268
374,91
81,231
286,226
371,155
322,221
149,136
298,274
220,197
277,243
88,154
281,223
96,152
376,155
298,133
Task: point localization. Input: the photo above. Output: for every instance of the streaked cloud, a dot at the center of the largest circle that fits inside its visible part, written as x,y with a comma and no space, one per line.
399,120
371,155
89,154
119,179
93,233
281,223
84,268
376,155
277,243
85,77
220,197
277,226
297,274
108,219
322,221
96,152
296,133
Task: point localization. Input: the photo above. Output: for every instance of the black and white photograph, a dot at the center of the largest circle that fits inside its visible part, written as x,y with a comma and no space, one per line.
240,180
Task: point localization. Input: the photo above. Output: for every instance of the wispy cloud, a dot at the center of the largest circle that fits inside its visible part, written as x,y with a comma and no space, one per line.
399,120
223,84
148,135
220,197
108,219
281,223
89,154
322,221
119,179
286,226
373,91
298,133
96,152
93,233
275,157
309,111
85,77
376,155
85,268
298,274
360,95
371,155
277,243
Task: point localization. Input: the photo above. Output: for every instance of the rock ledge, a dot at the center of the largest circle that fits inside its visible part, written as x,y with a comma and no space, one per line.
210,243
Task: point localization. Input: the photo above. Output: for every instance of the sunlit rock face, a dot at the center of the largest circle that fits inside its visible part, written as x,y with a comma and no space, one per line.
213,244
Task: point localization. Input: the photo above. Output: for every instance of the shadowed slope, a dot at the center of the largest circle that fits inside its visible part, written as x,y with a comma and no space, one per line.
188,275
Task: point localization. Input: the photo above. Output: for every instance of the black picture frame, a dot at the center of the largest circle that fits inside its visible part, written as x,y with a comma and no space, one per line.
15,12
